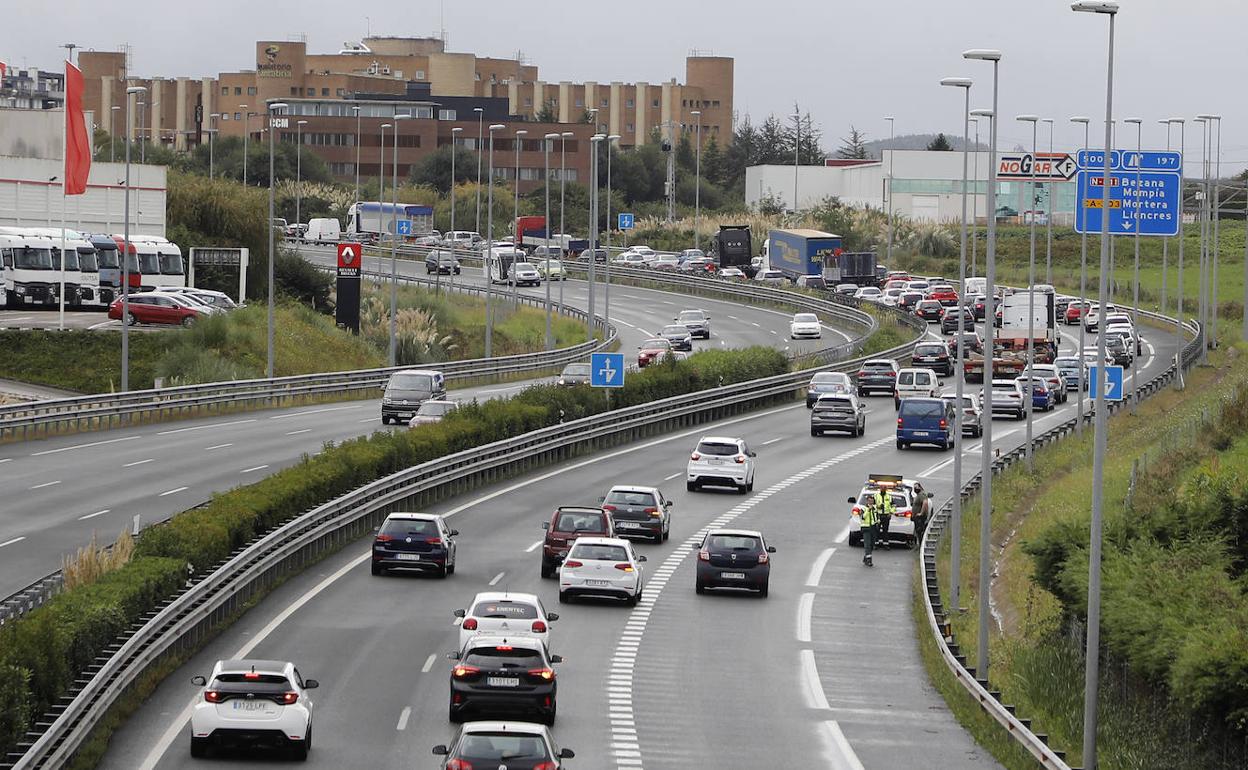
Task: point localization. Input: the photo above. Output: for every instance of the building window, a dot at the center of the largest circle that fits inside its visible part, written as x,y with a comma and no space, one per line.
294,91
342,92
225,116
602,128
580,102
528,101
225,90
684,102
238,90
446,114
324,92
420,74
238,116
628,127
606,102
715,103
654,103
629,103
251,90
714,129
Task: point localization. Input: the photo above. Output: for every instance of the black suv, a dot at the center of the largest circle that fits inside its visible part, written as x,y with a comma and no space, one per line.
876,375
734,558
929,310
497,676
949,321
442,262
934,356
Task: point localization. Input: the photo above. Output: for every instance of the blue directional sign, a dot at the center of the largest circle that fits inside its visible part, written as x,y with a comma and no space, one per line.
1114,390
606,370
1147,201
626,222
404,226
1129,159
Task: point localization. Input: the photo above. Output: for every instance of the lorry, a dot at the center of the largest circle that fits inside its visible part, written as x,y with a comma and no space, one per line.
801,252
857,267
370,220
733,247
1016,309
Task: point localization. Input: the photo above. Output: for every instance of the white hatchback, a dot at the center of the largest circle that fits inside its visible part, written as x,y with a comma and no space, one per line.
805,325
721,461
601,566
503,613
254,702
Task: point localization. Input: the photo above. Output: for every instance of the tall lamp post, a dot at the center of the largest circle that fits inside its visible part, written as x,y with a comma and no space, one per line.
606,288
1135,281
990,272
355,198
299,124
112,139
489,249
515,220
888,256
480,146
975,204
593,229
394,240
955,560
134,91
1182,124
1031,294
797,143
1048,221
143,135
1092,668
247,113
273,108
1165,242
1083,285
1202,307
381,192
1215,206
549,139
563,175
455,132
212,135
697,180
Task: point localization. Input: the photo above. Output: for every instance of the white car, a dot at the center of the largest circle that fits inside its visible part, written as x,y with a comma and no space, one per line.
601,566
1050,374
186,299
629,259
805,325
731,273
253,701
901,524
524,274
774,277
890,297
495,744
869,293
915,383
505,614
217,299
720,461
432,411
1008,398
1126,329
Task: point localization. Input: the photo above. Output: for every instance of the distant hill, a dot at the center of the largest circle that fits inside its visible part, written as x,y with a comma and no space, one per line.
916,142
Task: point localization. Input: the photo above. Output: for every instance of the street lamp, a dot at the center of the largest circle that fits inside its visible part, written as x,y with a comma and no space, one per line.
697,183
797,143
956,542
1092,661
247,113
606,289
975,204
1031,293
549,139
1165,242
515,221
990,273
480,140
489,249
888,256
299,124
212,133
273,107
593,229
134,91
1202,307
1083,282
381,194
1182,174
1215,204
438,275
394,239
356,197
1135,290
563,175
112,139
1048,222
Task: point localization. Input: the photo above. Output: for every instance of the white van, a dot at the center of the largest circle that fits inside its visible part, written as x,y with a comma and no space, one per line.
323,230
976,285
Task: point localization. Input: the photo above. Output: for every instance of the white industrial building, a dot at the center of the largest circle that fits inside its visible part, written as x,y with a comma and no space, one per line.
926,186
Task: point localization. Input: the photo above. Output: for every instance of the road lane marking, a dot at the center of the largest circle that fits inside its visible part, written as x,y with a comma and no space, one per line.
46,484
816,569
93,515
772,441
673,476
6,460
297,432
534,547
497,578
932,469
216,446
257,468
805,607
173,491
83,446
139,462
201,427
11,542
815,697
320,411
842,754
368,419
429,661
404,715
843,536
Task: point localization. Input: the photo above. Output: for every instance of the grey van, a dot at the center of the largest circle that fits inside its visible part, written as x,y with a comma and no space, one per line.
407,389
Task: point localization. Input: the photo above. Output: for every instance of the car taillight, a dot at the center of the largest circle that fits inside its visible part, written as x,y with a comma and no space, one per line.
906,513
740,458
470,624
612,507
462,671
572,564
704,555
862,374
543,766
545,674
624,567
695,456
459,764
383,538
289,698
654,512
433,540
857,510
212,696
943,423
762,558
892,374
898,422
539,627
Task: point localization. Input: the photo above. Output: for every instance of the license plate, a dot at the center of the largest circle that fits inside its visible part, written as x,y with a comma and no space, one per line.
597,583
249,705
732,575
407,556
716,461
920,433
502,681
628,525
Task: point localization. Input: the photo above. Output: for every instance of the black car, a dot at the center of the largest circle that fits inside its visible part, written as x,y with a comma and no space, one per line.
1117,348
929,310
678,335
574,374
949,321
971,343
599,254
414,541
441,262
734,558
981,306
498,676
909,300
879,374
934,356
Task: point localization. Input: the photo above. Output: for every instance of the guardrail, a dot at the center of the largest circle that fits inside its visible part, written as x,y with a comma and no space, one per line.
182,622
939,624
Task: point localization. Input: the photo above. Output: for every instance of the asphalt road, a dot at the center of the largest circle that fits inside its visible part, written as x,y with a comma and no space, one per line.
824,673
49,318
58,492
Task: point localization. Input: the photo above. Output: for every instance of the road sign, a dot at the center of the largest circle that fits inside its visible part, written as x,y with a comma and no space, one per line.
404,226
349,259
1113,382
1128,159
1150,203
606,370
1048,166
626,222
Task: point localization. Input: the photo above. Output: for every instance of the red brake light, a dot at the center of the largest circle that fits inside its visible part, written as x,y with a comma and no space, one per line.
459,764
542,673
251,675
433,540
538,766
704,555
862,373
624,567
572,564
289,698
470,624
898,422
212,696
891,373
762,558
462,670
695,456
383,538
740,459
612,507
539,627
504,648
943,423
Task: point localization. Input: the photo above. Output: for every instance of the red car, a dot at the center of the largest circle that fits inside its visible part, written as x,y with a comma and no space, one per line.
945,295
1075,311
651,350
154,308
565,526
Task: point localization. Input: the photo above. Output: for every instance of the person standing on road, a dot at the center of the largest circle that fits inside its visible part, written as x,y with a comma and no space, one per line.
879,504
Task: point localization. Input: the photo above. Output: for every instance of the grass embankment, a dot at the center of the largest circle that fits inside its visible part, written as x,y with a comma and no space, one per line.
1174,683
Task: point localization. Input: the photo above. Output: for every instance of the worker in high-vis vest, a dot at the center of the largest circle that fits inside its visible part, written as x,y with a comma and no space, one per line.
879,504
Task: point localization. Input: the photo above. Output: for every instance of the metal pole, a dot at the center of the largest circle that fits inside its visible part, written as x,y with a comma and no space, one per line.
1092,668
480,140
394,240
550,343
1083,289
381,197
797,143
454,131
1165,242
975,206
1135,289
355,198
299,124
1216,203
143,128
1201,307
246,140
112,139
489,251
515,223
272,108
125,257
697,181
606,283
593,229
1182,176
1029,404
563,234
1048,248
888,256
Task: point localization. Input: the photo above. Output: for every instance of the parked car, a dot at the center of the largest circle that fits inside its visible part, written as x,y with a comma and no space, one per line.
727,273
929,310
1043,396
773,277
847,289
155,308
600,256
688,254
909,300
1054,378
839,412
949,321
971,343
698,266
925,421
944,294
1007,398
665,263
1074,372
323,230
1075,312
869,293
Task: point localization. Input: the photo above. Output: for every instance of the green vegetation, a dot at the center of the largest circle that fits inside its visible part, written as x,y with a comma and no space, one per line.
80,360
1174,690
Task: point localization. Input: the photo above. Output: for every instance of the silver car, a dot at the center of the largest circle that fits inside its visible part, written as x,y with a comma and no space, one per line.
839,412
696,321
972,413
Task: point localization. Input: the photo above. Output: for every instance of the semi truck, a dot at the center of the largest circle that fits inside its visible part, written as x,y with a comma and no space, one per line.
368,221
852,267
733,247
1016,309
803,252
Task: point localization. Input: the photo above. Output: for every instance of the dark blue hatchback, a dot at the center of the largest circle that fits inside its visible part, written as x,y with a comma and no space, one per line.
925,421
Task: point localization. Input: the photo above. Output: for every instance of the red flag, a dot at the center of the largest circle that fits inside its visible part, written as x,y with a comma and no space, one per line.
77,147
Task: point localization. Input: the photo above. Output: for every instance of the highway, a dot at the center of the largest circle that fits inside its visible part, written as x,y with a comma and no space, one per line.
59,491
823,673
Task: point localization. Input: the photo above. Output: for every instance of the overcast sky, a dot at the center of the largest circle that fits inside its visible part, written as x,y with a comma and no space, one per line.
846,62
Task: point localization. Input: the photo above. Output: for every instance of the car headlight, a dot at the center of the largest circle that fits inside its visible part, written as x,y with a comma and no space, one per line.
21,289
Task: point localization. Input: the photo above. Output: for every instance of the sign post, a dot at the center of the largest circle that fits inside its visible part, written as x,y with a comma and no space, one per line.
347,309
213,256
1145,195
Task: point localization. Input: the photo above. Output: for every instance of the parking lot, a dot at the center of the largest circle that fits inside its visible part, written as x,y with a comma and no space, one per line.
39,318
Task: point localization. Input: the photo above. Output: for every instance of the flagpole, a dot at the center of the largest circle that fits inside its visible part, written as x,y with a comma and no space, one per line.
64,194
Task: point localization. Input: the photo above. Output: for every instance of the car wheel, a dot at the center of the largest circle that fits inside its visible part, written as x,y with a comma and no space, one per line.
199,747
188,320
762,592
741,490
659,536
549,719
547,571
565,597
901,444
442,573
378,569
862,392
132,319
691,486
453,716
299,749
632,600
698,588
814,432
450,568
896,404
667,533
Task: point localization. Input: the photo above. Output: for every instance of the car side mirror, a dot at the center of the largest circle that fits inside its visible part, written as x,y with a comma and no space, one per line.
452,655
753,454
556,658
852,501
310,684
461,613
566,753
771,549
441,750
667,504
641,558
545,525
696,547
199,680
552,616
454,532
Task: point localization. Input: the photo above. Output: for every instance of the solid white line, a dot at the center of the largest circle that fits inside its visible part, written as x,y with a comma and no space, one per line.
6,460
297,432
317,411
368,419
201,427
673,476
772,441
429,661
534,547
815,696
45,484
847,759
139,462
216,446
816,569
11,542
93,515
175,729
173,491
929,471
404,715
257,468
497,578
83,446
805,606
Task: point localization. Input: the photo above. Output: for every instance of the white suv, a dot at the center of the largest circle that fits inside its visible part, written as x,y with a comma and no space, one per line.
915,383
721,461
253,701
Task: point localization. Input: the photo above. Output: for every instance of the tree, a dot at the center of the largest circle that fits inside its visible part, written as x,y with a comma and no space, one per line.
434,170
547,114
714,162
854,146
807,141
940,144
685,158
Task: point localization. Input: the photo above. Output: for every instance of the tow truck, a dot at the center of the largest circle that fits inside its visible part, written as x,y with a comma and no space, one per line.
901,526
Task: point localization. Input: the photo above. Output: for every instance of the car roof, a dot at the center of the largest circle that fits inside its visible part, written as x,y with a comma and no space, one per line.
634,487
415,516
601,541
417,371
504,596
719,440
736,532
835,397
495,640
522,728
888,361
244,665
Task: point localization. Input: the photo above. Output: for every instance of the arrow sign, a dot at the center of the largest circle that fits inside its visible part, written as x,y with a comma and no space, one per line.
1113,382
606,370
1042,167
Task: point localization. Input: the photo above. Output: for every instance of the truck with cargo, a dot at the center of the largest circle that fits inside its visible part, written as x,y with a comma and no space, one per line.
370,220
857,267
733,247
1039,307
801,252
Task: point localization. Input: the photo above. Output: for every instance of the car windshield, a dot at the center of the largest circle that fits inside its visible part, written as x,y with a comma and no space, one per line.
435,409
87,262
733,543
504,609
1067,363
825,378
630,498
897,498
656,342
28,258
716,449
107,258
503,656
568,521
576,370
598,552
930,350
1005,389
171,264
71,259
967,401
411,381
913,408
691,315
250,678
806,318
678,331
149,264
408,528
496,747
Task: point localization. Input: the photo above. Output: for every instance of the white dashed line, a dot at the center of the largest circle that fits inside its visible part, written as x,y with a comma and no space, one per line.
815,697
404,715
11,542
46,484
842,754
139,462
83,446
497,578
673,476
216,446
93,515
534,547
257,468
772,441
173,491
201,427
317,411
297,432
429,661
